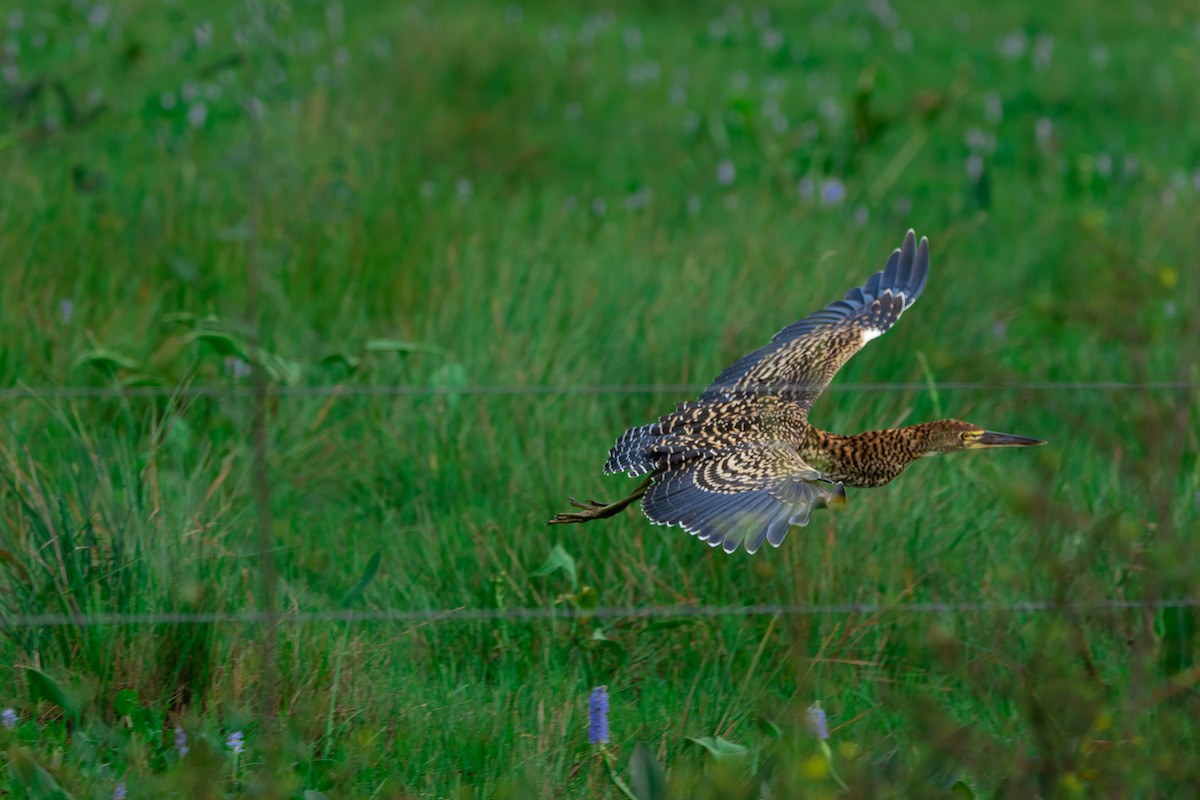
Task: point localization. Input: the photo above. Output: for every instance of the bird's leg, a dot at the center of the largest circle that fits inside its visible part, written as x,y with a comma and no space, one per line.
595,510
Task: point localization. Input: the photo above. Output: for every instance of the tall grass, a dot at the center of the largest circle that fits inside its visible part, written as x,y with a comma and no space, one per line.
491,195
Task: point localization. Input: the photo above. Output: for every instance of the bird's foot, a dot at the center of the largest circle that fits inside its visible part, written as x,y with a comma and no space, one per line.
592,509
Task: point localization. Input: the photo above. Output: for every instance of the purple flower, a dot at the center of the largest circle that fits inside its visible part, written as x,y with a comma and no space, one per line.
181,741
236,368
726,173
119,791
814,720
236,742
66,309
833,192
598,715
8,717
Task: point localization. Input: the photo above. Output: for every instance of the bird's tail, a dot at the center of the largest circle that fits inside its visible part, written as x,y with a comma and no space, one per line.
631,454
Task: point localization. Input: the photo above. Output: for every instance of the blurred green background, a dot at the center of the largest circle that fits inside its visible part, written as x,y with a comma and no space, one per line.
431,197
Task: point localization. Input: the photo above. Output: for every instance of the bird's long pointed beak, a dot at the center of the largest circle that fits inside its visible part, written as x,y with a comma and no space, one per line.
994,439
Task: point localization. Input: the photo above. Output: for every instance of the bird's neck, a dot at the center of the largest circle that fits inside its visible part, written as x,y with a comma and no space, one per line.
868,459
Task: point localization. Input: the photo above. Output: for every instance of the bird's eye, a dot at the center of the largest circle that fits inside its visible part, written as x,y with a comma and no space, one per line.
965,436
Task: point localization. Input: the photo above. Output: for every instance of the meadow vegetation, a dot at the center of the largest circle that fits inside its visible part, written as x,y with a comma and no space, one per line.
410,200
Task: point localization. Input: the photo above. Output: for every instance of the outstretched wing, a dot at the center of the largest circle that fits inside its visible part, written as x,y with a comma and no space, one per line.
802,359
747,495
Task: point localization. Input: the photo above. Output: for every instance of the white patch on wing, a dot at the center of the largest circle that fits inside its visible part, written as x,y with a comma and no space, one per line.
870,333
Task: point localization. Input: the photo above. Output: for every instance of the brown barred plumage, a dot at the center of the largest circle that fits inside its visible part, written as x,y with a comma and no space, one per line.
742,464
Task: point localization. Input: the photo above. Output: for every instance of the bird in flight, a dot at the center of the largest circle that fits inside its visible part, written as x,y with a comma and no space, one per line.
742,464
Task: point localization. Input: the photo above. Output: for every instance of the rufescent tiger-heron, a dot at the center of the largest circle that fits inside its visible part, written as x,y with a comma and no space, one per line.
742,464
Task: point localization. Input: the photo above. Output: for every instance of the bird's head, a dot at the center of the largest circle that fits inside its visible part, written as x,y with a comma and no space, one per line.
954,435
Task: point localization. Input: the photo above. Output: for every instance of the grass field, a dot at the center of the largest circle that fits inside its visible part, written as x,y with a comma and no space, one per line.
582,195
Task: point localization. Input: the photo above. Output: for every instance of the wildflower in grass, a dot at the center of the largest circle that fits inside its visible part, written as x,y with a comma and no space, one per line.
197,114
236,742
119,791
833,192
8,717
726,173
814,720
993,108
181,744
236,368
974,167
66,309
1043,51
203,34
818,726
98,16
1014,44
1043,130
598,715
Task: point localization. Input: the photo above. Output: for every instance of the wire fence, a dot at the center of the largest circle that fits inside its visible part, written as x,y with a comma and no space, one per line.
344,389
526,614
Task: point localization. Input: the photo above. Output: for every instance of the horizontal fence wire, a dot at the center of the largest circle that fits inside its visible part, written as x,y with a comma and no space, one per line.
432,615
349,390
